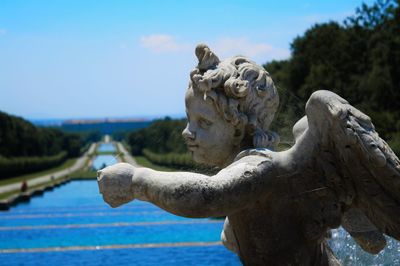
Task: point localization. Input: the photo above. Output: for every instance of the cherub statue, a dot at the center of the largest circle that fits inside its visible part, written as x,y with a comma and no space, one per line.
279,206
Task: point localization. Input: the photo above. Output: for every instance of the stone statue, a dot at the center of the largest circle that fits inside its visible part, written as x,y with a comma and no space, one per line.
279,205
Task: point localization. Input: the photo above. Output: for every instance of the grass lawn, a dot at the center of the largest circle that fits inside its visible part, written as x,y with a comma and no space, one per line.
81,173
8,194
64,165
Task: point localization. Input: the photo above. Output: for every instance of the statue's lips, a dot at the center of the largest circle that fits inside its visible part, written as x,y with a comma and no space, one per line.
192,146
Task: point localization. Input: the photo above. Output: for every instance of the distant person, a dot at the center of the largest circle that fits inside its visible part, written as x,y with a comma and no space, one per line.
24,186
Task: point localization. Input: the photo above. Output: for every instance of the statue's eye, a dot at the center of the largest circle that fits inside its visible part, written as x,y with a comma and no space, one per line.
204,123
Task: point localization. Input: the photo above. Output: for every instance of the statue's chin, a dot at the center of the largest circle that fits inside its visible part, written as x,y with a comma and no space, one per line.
200,160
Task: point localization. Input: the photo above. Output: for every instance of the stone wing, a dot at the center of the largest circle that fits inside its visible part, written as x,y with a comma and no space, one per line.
359,166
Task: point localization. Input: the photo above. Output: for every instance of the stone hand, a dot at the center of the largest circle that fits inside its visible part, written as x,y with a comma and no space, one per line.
116,184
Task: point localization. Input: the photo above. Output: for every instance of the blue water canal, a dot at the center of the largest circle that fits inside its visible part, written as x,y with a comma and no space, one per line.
106,147
71,225
104,159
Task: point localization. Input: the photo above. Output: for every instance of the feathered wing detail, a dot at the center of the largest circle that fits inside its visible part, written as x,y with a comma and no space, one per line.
363,231
357,164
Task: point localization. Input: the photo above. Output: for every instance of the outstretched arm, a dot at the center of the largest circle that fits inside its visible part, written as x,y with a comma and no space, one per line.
189,194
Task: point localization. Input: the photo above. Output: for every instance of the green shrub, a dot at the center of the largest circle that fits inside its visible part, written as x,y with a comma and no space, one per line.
394,143
21,165
175,160
161,136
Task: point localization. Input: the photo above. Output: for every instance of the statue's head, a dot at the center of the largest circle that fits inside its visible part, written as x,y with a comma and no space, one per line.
230,105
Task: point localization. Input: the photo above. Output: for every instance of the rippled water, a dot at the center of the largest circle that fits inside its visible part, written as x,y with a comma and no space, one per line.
349,253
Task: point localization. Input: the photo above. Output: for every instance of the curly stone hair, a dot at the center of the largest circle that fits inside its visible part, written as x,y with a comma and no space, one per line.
242,92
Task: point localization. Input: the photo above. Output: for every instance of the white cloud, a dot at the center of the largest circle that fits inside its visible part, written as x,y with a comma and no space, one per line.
3,31
160,43
223,47
226,47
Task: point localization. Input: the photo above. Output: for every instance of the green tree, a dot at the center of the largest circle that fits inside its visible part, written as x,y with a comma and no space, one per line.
358,59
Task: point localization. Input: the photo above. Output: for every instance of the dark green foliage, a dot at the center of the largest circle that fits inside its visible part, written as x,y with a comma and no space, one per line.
120,135
162,136
162,143
20,138
175,160
138,141
26,148
359,60
22,165
91,136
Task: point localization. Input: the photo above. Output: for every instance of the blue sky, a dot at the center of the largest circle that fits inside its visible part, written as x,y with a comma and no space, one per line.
96,59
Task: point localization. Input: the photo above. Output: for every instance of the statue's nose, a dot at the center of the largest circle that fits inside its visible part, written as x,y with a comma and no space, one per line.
188,134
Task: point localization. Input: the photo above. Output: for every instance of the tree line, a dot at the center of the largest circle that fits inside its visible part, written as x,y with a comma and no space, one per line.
25,147
358,59
162,143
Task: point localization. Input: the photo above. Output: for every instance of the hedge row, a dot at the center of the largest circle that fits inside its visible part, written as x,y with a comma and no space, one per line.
174,160
10,167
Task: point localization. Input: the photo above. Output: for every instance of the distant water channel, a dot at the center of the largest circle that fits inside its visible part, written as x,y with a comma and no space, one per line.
106,147
103,160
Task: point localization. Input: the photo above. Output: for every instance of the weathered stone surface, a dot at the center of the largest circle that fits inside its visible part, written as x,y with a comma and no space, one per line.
279,205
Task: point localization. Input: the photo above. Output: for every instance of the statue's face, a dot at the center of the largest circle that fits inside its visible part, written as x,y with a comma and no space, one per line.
210,138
